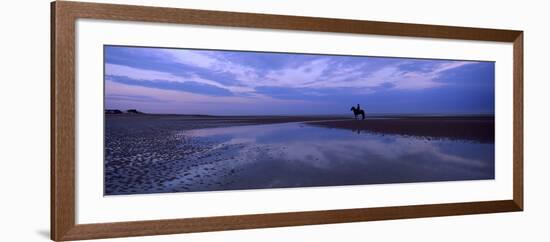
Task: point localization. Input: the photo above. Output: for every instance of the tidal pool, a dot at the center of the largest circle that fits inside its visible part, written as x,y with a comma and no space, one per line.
301,155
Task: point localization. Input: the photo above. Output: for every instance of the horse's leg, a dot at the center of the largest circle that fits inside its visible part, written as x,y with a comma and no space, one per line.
363,114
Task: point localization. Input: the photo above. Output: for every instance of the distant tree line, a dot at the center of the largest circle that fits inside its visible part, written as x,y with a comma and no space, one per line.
117,111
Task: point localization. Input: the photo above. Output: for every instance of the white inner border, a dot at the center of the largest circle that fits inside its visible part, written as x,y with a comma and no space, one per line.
93,207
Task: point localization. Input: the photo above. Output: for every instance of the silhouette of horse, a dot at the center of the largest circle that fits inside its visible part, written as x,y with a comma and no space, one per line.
357,111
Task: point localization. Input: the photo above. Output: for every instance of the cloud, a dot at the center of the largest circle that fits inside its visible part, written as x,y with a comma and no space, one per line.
389,76
132,98
277,77
123,96
302,71
139,74
188,86
190,57
150,77
326,73
214,61
298,76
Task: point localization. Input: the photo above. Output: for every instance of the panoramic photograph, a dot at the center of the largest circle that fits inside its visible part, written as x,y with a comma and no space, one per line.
194,120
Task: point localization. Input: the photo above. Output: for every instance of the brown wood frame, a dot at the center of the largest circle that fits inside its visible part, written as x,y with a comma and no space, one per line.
63,18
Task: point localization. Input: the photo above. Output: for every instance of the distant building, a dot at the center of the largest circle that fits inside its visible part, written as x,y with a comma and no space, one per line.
112,111
133,111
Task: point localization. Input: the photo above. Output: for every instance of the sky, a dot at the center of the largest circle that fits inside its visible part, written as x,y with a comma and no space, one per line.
216,82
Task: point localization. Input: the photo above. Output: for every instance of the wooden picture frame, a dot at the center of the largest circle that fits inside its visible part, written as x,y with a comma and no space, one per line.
63,17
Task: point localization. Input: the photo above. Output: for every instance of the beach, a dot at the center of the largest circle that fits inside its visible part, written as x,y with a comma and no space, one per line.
147,153
477,128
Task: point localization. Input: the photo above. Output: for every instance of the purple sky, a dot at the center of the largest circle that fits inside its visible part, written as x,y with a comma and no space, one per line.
183,81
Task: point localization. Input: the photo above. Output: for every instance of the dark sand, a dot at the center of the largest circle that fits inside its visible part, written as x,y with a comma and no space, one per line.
480,129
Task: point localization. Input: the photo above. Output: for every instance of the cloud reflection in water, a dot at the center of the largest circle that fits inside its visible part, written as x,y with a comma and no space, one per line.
300,155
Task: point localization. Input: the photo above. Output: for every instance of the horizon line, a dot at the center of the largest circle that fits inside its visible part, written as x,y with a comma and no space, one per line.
320,114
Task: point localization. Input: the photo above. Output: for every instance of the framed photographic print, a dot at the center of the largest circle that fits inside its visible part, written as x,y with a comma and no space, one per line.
172,120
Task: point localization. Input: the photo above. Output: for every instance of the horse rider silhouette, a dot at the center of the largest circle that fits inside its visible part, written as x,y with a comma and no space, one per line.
358,111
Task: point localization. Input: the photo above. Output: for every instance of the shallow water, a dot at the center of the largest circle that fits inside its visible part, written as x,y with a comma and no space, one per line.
301,155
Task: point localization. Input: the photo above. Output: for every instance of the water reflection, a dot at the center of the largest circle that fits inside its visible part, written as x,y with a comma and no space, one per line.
299,155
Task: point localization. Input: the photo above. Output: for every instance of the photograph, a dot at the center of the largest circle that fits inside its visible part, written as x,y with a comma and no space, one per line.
204,120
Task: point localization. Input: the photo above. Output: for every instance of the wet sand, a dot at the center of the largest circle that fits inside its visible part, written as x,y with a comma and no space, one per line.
154,153
144,152
480,129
